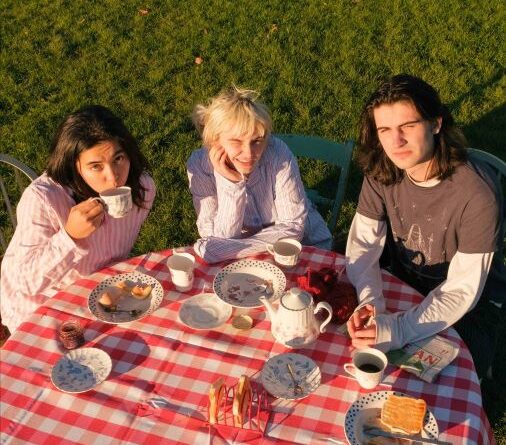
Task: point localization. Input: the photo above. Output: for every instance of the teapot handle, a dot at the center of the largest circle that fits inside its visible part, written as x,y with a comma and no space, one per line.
324,305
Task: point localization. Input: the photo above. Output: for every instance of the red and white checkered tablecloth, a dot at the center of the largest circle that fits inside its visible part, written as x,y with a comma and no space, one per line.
157,390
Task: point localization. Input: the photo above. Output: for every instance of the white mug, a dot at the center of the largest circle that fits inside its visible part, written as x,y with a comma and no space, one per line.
117,201
367,366
181,267
285,251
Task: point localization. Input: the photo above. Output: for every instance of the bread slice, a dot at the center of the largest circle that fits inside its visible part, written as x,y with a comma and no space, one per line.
141,291
404,414
216,394
242,399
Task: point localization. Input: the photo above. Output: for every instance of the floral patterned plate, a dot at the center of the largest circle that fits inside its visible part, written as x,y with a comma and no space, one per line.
81,370
129,308
278,382
241,284
367,409
204,311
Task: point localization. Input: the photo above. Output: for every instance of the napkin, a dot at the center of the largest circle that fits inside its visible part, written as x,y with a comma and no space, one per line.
326,285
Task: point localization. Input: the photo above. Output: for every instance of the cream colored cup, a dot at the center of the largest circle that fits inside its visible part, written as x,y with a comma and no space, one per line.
117,201
367,366
285,251
181,267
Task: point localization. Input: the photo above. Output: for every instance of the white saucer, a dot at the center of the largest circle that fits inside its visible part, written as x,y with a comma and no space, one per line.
278,382
81,370
204,311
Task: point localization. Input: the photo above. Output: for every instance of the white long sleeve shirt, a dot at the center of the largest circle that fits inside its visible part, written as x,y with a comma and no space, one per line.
42,258
441,308
238,219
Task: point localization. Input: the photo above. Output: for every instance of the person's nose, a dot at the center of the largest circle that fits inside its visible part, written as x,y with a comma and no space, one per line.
247,151
398,139
112,177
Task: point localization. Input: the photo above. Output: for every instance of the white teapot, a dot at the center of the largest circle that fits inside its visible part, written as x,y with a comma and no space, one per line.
294,323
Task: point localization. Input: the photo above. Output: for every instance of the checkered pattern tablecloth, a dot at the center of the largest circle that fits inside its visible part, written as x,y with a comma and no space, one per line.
162,370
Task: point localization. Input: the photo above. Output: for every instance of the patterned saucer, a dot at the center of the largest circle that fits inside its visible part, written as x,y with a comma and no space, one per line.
81,370
278,382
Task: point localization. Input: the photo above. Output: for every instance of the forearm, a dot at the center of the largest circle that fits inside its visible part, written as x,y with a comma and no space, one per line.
365,244
442,307
214,250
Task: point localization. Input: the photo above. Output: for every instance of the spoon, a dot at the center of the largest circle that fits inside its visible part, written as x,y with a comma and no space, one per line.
297,389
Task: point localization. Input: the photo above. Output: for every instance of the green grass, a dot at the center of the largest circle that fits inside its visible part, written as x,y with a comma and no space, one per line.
314,62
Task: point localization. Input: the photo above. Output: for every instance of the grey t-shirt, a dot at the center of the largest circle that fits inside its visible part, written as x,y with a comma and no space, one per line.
427,225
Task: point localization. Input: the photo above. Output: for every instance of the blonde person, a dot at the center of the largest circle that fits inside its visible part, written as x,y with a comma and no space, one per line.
245,183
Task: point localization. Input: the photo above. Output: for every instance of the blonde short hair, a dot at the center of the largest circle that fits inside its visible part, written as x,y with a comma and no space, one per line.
236,108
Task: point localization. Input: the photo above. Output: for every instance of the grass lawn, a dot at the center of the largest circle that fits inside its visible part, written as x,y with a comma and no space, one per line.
315,63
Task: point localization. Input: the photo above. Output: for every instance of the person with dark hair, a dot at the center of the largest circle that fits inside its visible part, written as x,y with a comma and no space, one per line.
439,216
63,231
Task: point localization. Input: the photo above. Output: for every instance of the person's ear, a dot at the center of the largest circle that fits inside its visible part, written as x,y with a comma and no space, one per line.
436,126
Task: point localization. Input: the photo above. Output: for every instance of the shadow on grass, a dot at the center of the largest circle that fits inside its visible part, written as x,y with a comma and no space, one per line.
488,133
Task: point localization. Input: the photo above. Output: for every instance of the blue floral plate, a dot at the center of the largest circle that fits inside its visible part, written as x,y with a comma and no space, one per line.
81,370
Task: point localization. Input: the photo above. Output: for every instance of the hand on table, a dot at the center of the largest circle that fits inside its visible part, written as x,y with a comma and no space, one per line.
362,328
222,164
84,218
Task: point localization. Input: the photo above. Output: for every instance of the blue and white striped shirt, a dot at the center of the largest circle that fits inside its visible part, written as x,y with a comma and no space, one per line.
235,220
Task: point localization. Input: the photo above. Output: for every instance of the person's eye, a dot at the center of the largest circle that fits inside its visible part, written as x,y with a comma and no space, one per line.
258,141
96,167
382,130
120,158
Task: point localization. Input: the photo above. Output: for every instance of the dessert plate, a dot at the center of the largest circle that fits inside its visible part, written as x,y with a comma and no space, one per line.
241,284
367,409
278,382
81,370
204,311
128,308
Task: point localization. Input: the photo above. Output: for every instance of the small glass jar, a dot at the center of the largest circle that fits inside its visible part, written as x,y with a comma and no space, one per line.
71,334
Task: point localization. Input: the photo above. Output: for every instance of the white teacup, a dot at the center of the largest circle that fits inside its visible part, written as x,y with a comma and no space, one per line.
181,267
117,201
367,366
285,251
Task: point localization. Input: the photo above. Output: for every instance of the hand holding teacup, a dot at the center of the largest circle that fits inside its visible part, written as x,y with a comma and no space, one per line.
117,201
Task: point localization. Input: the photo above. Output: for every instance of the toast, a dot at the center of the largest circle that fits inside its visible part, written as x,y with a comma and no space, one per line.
141,291
404,414
242,399
216,393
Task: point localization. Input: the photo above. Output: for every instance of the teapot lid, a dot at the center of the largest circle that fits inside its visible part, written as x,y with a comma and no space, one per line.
296,299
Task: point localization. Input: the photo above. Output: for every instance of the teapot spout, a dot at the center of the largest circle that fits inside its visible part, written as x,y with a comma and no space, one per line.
270,308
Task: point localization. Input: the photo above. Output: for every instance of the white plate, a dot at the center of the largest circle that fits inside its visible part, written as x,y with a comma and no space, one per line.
142,307
81,370
241,284
278,382
204,311
369,406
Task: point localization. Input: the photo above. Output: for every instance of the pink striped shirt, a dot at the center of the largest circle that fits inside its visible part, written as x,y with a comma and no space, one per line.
42,258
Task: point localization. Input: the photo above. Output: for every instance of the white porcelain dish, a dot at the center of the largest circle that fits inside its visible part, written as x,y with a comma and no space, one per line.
129,308
241,284
278,382
368,407
81,370
204,311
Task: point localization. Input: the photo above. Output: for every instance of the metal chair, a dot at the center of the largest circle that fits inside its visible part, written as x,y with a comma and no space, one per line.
13,179
330,152
12,184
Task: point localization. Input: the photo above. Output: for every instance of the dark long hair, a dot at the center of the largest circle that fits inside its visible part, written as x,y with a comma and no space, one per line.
449,143
82,130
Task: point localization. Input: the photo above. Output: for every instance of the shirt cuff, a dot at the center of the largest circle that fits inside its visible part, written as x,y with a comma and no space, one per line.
383,332
68,244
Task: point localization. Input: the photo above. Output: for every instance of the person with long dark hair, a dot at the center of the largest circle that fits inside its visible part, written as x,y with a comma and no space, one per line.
439,217
63,231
